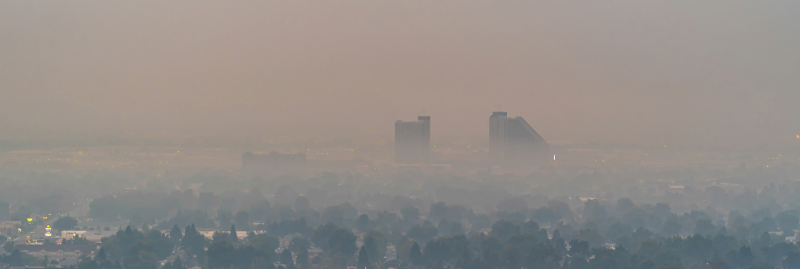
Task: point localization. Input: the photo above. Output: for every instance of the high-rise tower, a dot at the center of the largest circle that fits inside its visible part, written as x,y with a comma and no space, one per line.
412,140
497,135
514,140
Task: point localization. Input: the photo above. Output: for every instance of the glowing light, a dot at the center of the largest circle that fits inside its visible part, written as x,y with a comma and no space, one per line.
554,157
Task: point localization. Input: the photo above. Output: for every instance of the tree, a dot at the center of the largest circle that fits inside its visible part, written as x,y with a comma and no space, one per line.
593,209
286,258
624,204
503,229
603,258
545,215
65,223
322,235
302,257
704,227
745,257
416,254
444,227
8,246
265,242
578,247
792,261
88,264
177,264
465,259
302,204
718,265
422,233
362,223
342,241
193,242
224,217
672,226
101,255
788,221
530,227
243,220
298,243
141,259
288,226
221,236
363,259
175,235
544,256
15,259
511,256
410,214
251,235
739,226
139,248
761,265
375,243
481,222
233,238
221,255
456,228
672,265
576,262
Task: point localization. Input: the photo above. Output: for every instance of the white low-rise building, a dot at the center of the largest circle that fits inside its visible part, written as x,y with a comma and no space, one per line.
58,251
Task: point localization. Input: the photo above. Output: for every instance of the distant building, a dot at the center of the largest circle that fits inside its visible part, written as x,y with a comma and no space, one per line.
274,164
209,233
92,236
412,141
10,225
514,140
58,251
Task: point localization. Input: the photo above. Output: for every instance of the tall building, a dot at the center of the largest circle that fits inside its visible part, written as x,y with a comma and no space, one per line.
412,141
513,139
497,135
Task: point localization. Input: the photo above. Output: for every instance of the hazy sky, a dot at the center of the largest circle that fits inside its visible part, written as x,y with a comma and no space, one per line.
671,72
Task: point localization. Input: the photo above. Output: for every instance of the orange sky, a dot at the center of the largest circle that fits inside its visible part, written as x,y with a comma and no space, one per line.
673,72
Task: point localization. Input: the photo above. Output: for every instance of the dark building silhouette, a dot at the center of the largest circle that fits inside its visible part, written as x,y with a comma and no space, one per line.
412,141
514,140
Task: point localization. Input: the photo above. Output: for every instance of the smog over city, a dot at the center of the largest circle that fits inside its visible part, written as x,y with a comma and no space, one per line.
400,134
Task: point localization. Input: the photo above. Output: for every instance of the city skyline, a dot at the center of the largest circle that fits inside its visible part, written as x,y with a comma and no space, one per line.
259,135
588,77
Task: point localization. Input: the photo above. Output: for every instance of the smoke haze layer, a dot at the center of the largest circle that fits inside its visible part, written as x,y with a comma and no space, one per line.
676,72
